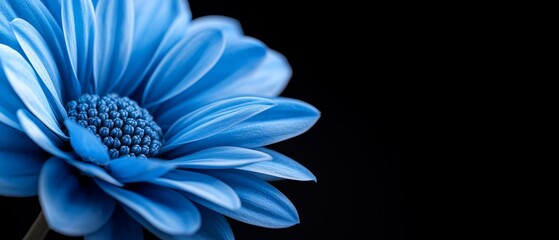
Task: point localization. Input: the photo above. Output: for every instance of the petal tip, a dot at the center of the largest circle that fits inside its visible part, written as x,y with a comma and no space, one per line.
15,21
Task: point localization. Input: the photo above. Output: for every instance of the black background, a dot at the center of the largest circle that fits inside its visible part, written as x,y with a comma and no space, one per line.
347,61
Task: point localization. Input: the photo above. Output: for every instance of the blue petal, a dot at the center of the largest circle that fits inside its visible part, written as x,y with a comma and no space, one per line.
183,66
220,158
281,167
37,132
5,119
19,173
175,33
39,55
87,145
54,7
213,119
41,19
152,21
135,169
72,205
20,163
25,84
17,141
9,101
268,79
154,230
120,226
214,227
6,35
92,170
229,26
114,32
261,204
77,24
164,209
201,185
286,120
240,57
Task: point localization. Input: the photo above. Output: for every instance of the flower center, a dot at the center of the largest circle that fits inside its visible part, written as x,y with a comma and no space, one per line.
123,126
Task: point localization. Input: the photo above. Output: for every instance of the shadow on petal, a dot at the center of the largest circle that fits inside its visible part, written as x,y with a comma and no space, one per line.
73,205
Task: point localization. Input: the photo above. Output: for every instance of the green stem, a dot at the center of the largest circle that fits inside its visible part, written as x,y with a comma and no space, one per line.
38,230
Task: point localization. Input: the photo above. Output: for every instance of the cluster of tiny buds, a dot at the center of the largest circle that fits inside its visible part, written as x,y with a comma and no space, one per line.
125,128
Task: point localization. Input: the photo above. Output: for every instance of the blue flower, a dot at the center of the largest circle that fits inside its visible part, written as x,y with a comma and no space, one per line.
123,114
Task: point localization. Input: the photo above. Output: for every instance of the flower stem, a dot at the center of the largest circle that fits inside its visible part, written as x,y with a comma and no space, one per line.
38,230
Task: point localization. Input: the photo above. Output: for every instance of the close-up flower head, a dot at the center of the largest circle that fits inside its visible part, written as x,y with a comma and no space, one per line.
129,115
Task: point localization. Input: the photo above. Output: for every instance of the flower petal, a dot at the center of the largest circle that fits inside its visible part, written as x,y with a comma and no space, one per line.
164,209
78,18
154,230
281,167
183,66
153,18
92,170
87,145
114,32
41,19
136,169
214,227
19,173
219,158
37,132
39,55
72,205
25,84
54,7
240,57
175,33
152,21
228,26
20,163
202,186
213,119
286,120
5,119
9,101
268,79
261,204
120,226
17,141
6,35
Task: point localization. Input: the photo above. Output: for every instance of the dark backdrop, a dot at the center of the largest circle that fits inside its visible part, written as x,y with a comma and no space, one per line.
343,58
